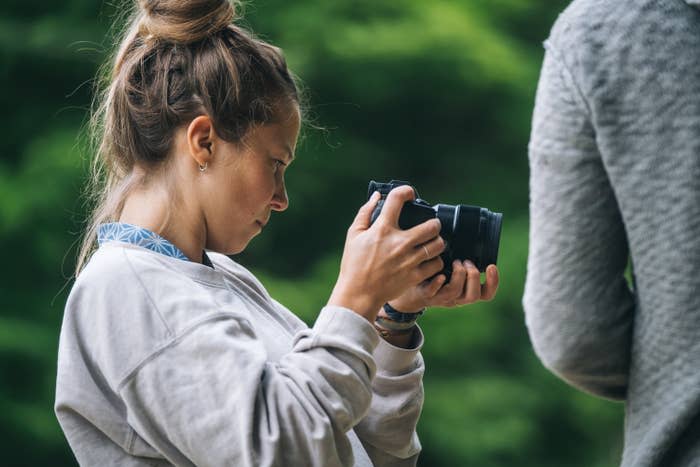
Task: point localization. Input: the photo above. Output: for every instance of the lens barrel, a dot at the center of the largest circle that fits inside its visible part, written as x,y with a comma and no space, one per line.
474,233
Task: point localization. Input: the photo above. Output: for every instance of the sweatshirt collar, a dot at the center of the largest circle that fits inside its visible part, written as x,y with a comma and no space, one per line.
140,236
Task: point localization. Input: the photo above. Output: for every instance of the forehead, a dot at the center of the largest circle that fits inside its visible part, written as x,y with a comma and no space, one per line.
279,135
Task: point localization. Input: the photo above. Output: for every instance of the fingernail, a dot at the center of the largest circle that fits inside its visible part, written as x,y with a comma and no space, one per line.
469,264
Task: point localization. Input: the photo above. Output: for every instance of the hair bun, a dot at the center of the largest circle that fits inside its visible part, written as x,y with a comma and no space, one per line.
185,21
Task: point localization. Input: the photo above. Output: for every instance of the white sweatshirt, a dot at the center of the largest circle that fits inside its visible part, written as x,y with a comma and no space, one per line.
164,361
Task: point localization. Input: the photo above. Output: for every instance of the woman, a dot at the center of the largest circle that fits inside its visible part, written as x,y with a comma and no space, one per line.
170,352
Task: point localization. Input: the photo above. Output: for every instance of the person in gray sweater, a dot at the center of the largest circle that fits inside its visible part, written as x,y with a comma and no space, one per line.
615,180
170,352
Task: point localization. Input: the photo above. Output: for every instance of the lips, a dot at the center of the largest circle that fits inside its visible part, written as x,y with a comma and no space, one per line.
263,223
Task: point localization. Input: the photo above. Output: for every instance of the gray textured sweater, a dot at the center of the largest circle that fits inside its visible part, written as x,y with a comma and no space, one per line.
169,362
615,174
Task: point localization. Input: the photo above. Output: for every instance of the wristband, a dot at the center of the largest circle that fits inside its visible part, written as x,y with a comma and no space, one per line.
392,325
400,317
393,333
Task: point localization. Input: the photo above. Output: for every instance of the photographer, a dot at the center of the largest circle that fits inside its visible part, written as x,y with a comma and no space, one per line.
172,353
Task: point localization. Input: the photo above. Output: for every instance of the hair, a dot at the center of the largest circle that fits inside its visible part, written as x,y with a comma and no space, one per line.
175,60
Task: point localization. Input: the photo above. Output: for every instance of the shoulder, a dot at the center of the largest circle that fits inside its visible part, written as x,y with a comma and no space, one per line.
128,302
587,25
607,45
601,26
126,273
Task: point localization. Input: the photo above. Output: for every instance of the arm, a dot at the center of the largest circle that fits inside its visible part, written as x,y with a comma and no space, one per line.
579,309
211,397
388,431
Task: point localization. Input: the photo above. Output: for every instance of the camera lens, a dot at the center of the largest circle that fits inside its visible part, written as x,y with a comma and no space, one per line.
475,235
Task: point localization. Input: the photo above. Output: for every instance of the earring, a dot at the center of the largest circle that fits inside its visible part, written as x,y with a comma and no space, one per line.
202,168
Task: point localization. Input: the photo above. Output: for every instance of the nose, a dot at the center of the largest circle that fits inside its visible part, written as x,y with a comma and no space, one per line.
280,200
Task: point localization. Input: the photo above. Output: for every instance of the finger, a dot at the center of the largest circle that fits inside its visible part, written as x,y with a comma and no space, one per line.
452,291
429,268
489,288
364,214
472,290
424,232
430,250
394,202
429,289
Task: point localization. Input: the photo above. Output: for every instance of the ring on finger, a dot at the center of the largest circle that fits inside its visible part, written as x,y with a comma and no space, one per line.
427,254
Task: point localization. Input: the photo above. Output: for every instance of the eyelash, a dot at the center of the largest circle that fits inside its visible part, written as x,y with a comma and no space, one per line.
278,164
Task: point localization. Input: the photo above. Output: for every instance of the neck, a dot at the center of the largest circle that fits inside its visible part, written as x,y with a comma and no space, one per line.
153,209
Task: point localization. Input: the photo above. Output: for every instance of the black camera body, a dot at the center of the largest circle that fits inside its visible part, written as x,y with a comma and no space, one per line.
469,232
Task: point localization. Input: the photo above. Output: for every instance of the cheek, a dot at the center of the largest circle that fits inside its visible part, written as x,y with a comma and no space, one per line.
230,199
253,196
248,194
262,188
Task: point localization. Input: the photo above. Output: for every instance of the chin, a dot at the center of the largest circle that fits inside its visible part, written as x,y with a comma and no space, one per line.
234,249
233,243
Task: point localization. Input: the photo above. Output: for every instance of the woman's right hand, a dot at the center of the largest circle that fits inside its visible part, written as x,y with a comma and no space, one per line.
382,261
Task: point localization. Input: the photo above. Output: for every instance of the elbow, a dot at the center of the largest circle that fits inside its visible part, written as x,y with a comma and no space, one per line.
559,351
593,361
611,385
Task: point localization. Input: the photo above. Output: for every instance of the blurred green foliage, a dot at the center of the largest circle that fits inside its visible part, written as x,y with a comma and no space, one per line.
439,93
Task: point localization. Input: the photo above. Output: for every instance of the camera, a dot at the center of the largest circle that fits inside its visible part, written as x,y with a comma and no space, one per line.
469,232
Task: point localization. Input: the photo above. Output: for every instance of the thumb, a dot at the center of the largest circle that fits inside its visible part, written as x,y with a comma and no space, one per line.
364,215
394,203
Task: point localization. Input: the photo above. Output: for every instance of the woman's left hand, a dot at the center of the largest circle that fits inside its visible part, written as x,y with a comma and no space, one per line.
465,287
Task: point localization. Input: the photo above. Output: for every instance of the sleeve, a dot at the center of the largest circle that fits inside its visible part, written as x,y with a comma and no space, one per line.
578,306
388,431
212,398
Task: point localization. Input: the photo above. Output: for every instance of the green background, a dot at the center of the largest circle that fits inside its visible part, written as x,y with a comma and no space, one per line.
437,92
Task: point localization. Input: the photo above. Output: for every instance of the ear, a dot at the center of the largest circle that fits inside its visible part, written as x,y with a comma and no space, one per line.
200,139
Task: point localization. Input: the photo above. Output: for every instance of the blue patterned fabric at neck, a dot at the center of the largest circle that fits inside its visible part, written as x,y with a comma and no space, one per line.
129,233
